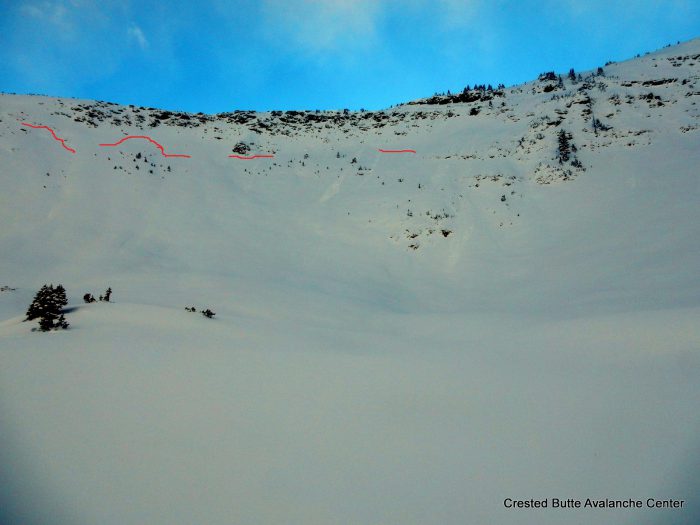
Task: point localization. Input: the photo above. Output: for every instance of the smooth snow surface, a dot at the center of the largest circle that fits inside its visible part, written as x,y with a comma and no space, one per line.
393,342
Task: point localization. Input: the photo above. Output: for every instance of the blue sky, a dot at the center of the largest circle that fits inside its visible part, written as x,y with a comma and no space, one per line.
218,55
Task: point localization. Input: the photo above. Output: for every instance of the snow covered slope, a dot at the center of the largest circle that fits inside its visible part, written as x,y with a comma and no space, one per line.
399,338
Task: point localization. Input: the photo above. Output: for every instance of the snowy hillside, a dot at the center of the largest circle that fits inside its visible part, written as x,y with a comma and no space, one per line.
399,337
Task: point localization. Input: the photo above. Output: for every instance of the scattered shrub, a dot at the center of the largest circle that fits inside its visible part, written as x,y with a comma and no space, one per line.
241,148
107,295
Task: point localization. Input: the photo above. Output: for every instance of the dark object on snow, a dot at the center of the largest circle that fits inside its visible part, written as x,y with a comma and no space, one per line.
38,304
53,322
47,306
563,146
241,148
107,295
190,308
47,299
89,298
208,313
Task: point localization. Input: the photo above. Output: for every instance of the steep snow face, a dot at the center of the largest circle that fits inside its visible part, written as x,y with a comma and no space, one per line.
482,202
510,311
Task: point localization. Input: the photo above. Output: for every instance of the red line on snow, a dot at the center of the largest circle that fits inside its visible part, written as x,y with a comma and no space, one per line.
149,139
252,157
62,141
397,150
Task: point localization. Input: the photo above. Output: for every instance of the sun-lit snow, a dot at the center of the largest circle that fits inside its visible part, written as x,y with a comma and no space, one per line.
408,338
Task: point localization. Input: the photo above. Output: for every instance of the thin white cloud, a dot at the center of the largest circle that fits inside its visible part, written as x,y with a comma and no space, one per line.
135,33
317,26
459,13
53,12
31,10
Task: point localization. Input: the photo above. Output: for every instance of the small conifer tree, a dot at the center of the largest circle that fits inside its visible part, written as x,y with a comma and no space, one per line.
38,305
60,297
47,306
564,146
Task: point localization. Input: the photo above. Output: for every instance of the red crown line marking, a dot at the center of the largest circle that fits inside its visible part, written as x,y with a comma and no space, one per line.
149,139
252,157
62,141
162,150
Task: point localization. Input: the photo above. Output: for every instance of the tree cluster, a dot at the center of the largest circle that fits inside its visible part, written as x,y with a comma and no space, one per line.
206,313
480,92
566,149
47,306
89,298
563,146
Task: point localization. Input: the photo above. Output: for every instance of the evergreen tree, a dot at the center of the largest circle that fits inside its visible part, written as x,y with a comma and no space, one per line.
107,295
62,323
60,297
46,322
572,75
38,306
52,321
47,306
564,146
